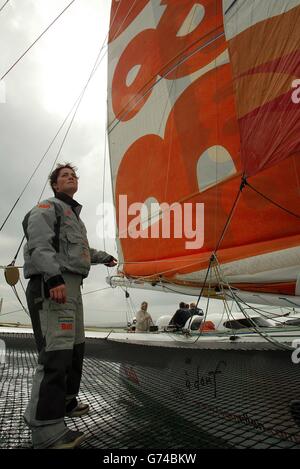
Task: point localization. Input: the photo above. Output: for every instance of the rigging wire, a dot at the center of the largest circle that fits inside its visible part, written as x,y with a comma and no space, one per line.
228,312
106,126
230,7
22,286
75,105
243,311
19,300
228,221
126,306
57,156
1,8
215,264
37,39
259,331
230,215
11,312
39,164
206,311
103,195
272,201
78,101
141,95
94,291
171,92
213,257
24,309
130,308
261,312
96,65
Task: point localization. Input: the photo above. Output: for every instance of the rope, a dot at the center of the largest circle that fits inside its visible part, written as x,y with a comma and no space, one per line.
205,280
230,215
37,39
94,291
264,314
243,311
230,6
19,300
78,101
4,5
76,105
79,98
141,96
226,309
207,305
272,201
39,164
11,312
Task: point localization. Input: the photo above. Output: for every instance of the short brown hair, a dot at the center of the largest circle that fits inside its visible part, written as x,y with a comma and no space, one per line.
55,173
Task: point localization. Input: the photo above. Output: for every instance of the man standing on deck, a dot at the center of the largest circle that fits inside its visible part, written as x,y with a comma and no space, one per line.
57,258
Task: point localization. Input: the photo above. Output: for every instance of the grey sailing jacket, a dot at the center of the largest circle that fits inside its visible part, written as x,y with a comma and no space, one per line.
57,241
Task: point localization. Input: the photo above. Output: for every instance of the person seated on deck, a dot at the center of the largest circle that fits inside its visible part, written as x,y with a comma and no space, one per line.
196,311
181,316
143,319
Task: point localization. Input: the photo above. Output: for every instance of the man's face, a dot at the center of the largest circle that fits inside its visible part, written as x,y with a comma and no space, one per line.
67,182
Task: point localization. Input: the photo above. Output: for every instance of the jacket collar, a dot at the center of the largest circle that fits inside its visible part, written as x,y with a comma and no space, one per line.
76,207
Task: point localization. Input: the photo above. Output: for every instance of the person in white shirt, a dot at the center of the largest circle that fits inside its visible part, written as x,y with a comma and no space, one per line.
143,319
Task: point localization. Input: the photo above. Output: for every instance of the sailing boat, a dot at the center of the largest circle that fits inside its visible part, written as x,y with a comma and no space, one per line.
204,125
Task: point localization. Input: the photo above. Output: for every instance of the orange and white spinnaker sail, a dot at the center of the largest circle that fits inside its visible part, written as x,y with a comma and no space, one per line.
202,96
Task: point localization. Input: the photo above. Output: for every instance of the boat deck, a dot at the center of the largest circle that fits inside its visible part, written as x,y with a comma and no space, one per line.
120,418
117,419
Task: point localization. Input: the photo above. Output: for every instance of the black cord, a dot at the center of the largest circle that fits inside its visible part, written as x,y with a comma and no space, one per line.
229,8
37,39
76,104
272,201
4,5
135,101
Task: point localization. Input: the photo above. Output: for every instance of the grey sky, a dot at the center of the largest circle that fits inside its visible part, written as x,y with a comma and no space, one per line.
40,92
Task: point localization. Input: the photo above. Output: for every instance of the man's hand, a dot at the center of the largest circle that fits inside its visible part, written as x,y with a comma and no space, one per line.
112,263
59,293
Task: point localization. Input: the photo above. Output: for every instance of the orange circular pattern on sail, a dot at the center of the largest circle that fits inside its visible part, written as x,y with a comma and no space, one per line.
199,46
170,164
171,56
